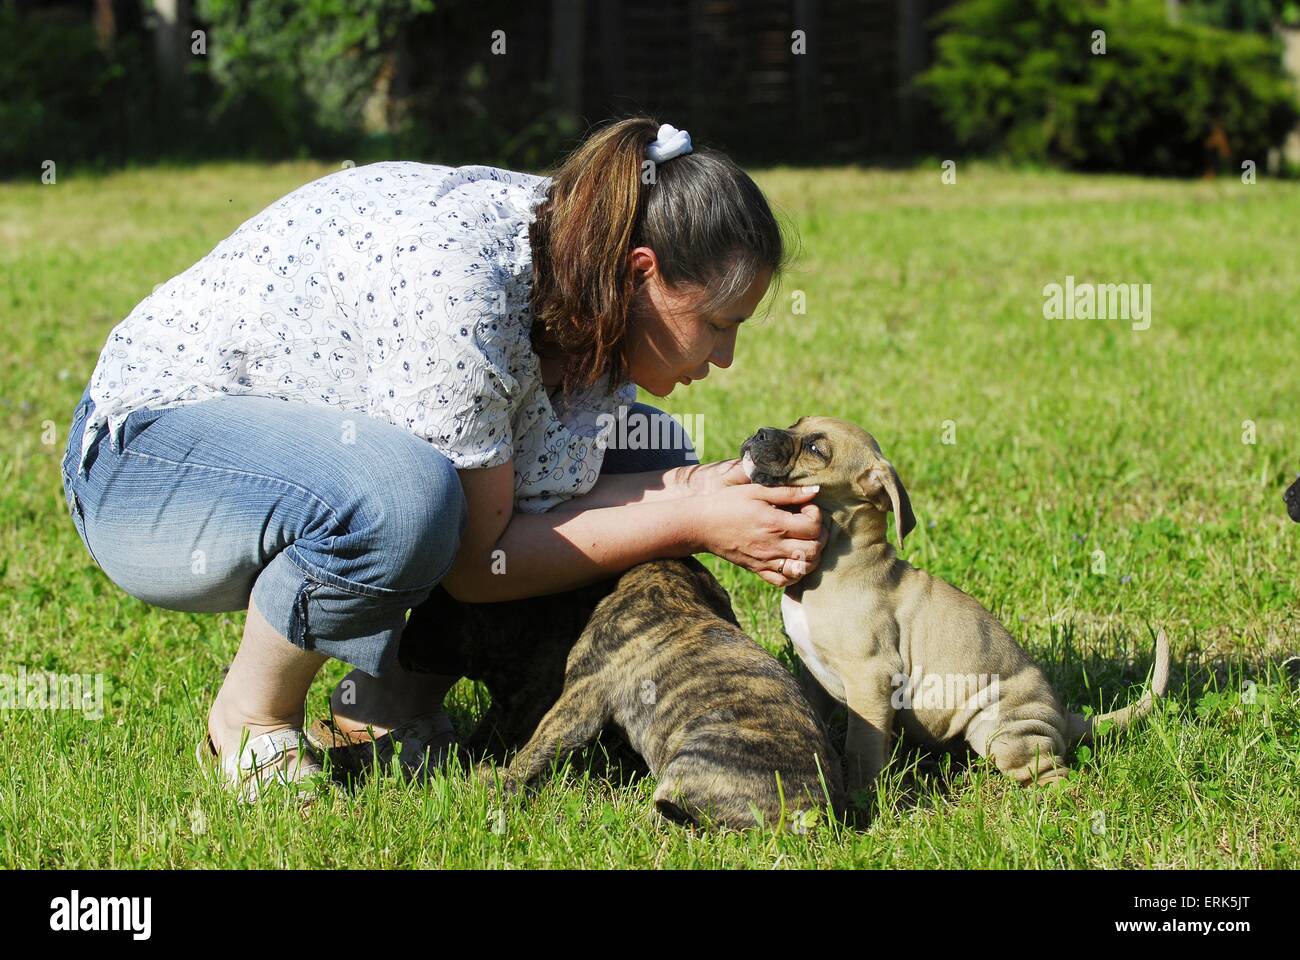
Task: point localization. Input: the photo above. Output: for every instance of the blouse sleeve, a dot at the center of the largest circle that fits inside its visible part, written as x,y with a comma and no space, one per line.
442,329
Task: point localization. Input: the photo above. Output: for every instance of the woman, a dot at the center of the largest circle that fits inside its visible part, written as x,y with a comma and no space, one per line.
397,376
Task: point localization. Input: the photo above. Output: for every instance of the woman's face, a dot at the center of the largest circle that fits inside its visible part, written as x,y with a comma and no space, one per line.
670,341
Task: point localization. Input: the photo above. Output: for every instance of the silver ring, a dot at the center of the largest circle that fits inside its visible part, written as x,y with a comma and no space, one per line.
782,570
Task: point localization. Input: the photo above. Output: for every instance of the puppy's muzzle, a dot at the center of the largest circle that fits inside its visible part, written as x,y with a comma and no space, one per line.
766,456
1292,498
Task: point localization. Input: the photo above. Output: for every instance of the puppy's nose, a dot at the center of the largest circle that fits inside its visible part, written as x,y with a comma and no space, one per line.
767,434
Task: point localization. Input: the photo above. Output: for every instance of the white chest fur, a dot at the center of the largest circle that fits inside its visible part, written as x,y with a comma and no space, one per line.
795,619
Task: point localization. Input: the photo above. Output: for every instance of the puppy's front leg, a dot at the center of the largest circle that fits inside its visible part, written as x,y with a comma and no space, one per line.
818,698
871,717
571,723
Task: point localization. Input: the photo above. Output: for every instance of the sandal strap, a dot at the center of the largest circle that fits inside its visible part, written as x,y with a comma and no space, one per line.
425,728
417,737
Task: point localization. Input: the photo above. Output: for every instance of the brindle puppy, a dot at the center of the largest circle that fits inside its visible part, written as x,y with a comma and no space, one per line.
516,648
723,726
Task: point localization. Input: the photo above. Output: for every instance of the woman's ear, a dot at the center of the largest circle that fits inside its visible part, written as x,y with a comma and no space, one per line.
640,263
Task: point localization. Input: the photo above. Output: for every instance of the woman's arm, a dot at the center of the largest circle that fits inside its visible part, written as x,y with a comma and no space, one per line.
620,489
506,556
654,486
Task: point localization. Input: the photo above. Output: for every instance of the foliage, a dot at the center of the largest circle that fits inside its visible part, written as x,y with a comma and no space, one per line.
1258,16
1024,78
303,69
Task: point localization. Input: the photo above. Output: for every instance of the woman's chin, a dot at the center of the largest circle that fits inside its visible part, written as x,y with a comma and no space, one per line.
658,389
664,387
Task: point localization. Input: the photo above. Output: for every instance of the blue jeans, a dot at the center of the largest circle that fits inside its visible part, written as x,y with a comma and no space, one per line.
211,506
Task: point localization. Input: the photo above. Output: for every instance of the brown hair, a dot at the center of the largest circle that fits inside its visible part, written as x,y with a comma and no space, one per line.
706,220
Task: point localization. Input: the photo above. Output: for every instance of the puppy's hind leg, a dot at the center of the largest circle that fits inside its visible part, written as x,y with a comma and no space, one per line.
571,723
1029,749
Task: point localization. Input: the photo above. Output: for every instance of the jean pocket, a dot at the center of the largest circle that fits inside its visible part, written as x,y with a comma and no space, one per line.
136,423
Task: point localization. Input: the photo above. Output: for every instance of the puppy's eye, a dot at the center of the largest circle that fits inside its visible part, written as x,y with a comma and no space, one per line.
816,451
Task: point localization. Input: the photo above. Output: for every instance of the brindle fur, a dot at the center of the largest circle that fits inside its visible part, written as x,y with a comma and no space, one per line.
717,718
516,648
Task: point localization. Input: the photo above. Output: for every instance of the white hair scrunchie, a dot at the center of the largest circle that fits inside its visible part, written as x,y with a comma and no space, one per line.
670,143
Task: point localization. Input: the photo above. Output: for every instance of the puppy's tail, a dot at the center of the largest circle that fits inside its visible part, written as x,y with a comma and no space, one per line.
1084,729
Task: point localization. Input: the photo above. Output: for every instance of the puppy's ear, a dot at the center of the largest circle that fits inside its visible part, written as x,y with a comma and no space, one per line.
879,484
714,594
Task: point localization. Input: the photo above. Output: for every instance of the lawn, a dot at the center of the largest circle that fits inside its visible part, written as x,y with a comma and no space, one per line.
1088,482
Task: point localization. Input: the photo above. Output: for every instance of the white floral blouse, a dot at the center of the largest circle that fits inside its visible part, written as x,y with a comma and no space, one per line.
397,289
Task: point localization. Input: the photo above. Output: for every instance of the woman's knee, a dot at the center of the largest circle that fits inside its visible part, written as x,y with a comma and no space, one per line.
200,500
346,594
403,528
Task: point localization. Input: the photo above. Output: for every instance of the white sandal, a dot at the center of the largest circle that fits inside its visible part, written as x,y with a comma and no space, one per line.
258,764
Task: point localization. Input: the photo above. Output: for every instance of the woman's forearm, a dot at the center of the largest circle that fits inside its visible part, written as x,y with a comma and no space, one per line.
621,489
652,486
552,552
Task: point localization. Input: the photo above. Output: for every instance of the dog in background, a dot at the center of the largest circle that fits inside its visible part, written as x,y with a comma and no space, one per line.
874,631
1292,498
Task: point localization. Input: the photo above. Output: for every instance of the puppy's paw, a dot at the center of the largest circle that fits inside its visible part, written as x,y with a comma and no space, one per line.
1046,778
498,779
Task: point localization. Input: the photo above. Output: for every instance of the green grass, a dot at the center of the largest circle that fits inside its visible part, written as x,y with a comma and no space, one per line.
923,305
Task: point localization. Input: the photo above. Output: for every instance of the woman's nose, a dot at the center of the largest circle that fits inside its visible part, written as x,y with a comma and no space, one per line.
725,351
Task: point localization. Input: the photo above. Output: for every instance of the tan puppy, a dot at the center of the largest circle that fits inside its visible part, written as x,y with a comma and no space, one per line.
897,645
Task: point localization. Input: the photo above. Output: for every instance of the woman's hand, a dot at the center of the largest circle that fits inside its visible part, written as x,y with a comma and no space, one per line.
746,524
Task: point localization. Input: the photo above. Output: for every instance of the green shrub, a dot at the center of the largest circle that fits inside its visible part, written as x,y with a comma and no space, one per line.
1019,77
293,75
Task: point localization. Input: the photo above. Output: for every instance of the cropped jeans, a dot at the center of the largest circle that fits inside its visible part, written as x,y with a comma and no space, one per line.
211,506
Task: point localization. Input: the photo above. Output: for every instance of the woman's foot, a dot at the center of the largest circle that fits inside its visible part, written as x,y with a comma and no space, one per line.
363,704
420,746
257,715
376,718
252,755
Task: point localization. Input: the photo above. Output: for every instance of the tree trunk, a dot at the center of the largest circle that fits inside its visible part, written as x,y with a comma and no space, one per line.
105,24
